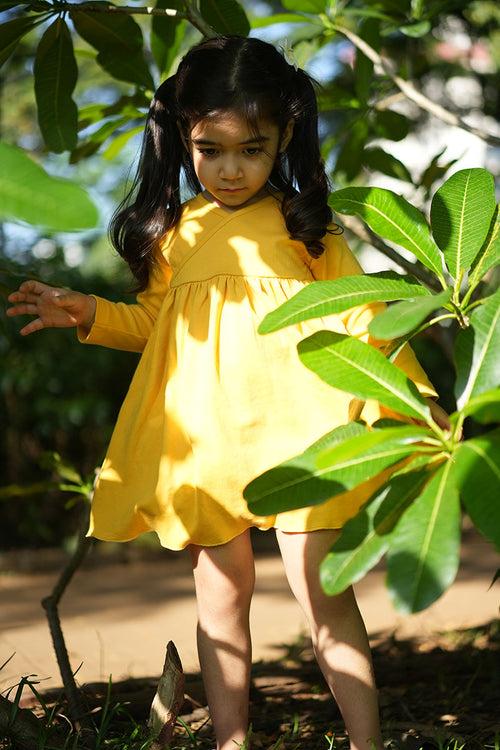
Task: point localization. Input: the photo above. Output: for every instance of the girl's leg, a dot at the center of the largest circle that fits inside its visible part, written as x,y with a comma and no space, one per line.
224,579
338,634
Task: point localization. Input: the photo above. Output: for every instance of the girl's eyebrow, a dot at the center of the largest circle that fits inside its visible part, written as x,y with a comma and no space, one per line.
204,142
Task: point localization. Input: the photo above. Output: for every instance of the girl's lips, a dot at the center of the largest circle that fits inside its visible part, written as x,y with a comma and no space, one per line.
231,190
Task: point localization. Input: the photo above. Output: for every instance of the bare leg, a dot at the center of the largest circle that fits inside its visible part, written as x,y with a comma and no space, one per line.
224,579
338,633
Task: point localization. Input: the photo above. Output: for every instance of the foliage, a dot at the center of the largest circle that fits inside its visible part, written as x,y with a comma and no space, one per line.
415,516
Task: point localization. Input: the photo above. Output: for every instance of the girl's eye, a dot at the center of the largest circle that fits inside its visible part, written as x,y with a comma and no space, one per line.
207,151
253,151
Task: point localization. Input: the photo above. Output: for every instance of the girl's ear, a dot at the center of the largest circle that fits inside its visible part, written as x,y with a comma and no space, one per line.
287,135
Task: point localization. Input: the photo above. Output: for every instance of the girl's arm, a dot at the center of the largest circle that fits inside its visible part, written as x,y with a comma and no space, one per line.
128,327
98,321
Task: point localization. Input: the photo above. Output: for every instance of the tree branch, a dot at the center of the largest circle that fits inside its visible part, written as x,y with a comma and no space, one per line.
358,228
412,93
192,13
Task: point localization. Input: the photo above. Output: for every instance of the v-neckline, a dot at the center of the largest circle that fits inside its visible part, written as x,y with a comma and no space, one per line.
237,211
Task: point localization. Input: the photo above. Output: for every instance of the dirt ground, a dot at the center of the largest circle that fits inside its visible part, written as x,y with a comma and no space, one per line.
118,615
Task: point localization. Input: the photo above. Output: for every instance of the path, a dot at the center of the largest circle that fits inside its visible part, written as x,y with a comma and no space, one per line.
118,617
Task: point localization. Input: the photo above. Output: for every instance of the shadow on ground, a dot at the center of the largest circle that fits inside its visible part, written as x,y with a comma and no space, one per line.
442,691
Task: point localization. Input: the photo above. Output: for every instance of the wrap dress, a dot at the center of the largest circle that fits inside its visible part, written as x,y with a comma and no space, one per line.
213,403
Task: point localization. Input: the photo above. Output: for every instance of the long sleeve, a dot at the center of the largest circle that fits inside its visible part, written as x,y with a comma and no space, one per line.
118,325
337,261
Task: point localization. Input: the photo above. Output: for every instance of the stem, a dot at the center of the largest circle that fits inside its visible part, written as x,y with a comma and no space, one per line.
411,92
50,604
418,270
191,14
400,344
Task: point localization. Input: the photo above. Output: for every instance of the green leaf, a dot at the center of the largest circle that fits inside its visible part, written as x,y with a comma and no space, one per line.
56,73
225,16
27,193
13,31
489,254
349,158
306,6
297,482
416,29
333,97
423,555
262,21
167,34
477,472
300,482
476,352
400,319
118,40
320,298
116,145
378,159
391,125
365,538
391,216
358,368
484,408
434,171
363,66
461,213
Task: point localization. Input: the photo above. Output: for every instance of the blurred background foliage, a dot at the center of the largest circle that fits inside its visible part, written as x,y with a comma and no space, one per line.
58,396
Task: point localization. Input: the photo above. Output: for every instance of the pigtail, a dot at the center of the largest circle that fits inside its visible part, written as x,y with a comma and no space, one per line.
153,204
306,187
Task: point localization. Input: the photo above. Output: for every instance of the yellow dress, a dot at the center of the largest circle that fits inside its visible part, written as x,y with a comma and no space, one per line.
213,403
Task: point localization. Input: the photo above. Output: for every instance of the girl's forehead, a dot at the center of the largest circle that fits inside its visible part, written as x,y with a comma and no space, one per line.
230,128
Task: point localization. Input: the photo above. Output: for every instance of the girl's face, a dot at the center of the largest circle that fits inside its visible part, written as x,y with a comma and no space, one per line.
232,166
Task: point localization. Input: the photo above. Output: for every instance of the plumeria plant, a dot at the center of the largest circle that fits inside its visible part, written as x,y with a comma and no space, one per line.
415,517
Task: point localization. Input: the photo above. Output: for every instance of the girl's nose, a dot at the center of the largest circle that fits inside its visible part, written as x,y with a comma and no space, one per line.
230,168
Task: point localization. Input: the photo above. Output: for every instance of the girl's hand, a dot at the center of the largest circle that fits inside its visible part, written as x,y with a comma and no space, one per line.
53,306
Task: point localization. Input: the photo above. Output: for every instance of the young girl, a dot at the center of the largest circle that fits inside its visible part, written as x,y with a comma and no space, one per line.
213,404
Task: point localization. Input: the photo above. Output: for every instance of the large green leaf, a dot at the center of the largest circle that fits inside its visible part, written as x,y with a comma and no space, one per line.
477,474
476,352
461,213
13,31
225,16
391,216
378,159
404,317
363,66
489,255
118,40
322,298
484,408
365,538
261,21
306,6
358,368
423,555
300,482
389,124
56,74
349,158
167,34
27,193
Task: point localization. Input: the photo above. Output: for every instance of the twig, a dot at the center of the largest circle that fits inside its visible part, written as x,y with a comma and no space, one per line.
192,13
50,604
412,93
364,233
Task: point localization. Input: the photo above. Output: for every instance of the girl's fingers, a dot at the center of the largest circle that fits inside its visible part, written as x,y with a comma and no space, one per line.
22,310
35,325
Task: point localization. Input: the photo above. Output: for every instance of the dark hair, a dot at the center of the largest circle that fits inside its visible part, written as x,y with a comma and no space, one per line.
225,73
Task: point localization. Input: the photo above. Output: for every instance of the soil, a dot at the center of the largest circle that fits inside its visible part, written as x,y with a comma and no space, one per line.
441,691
